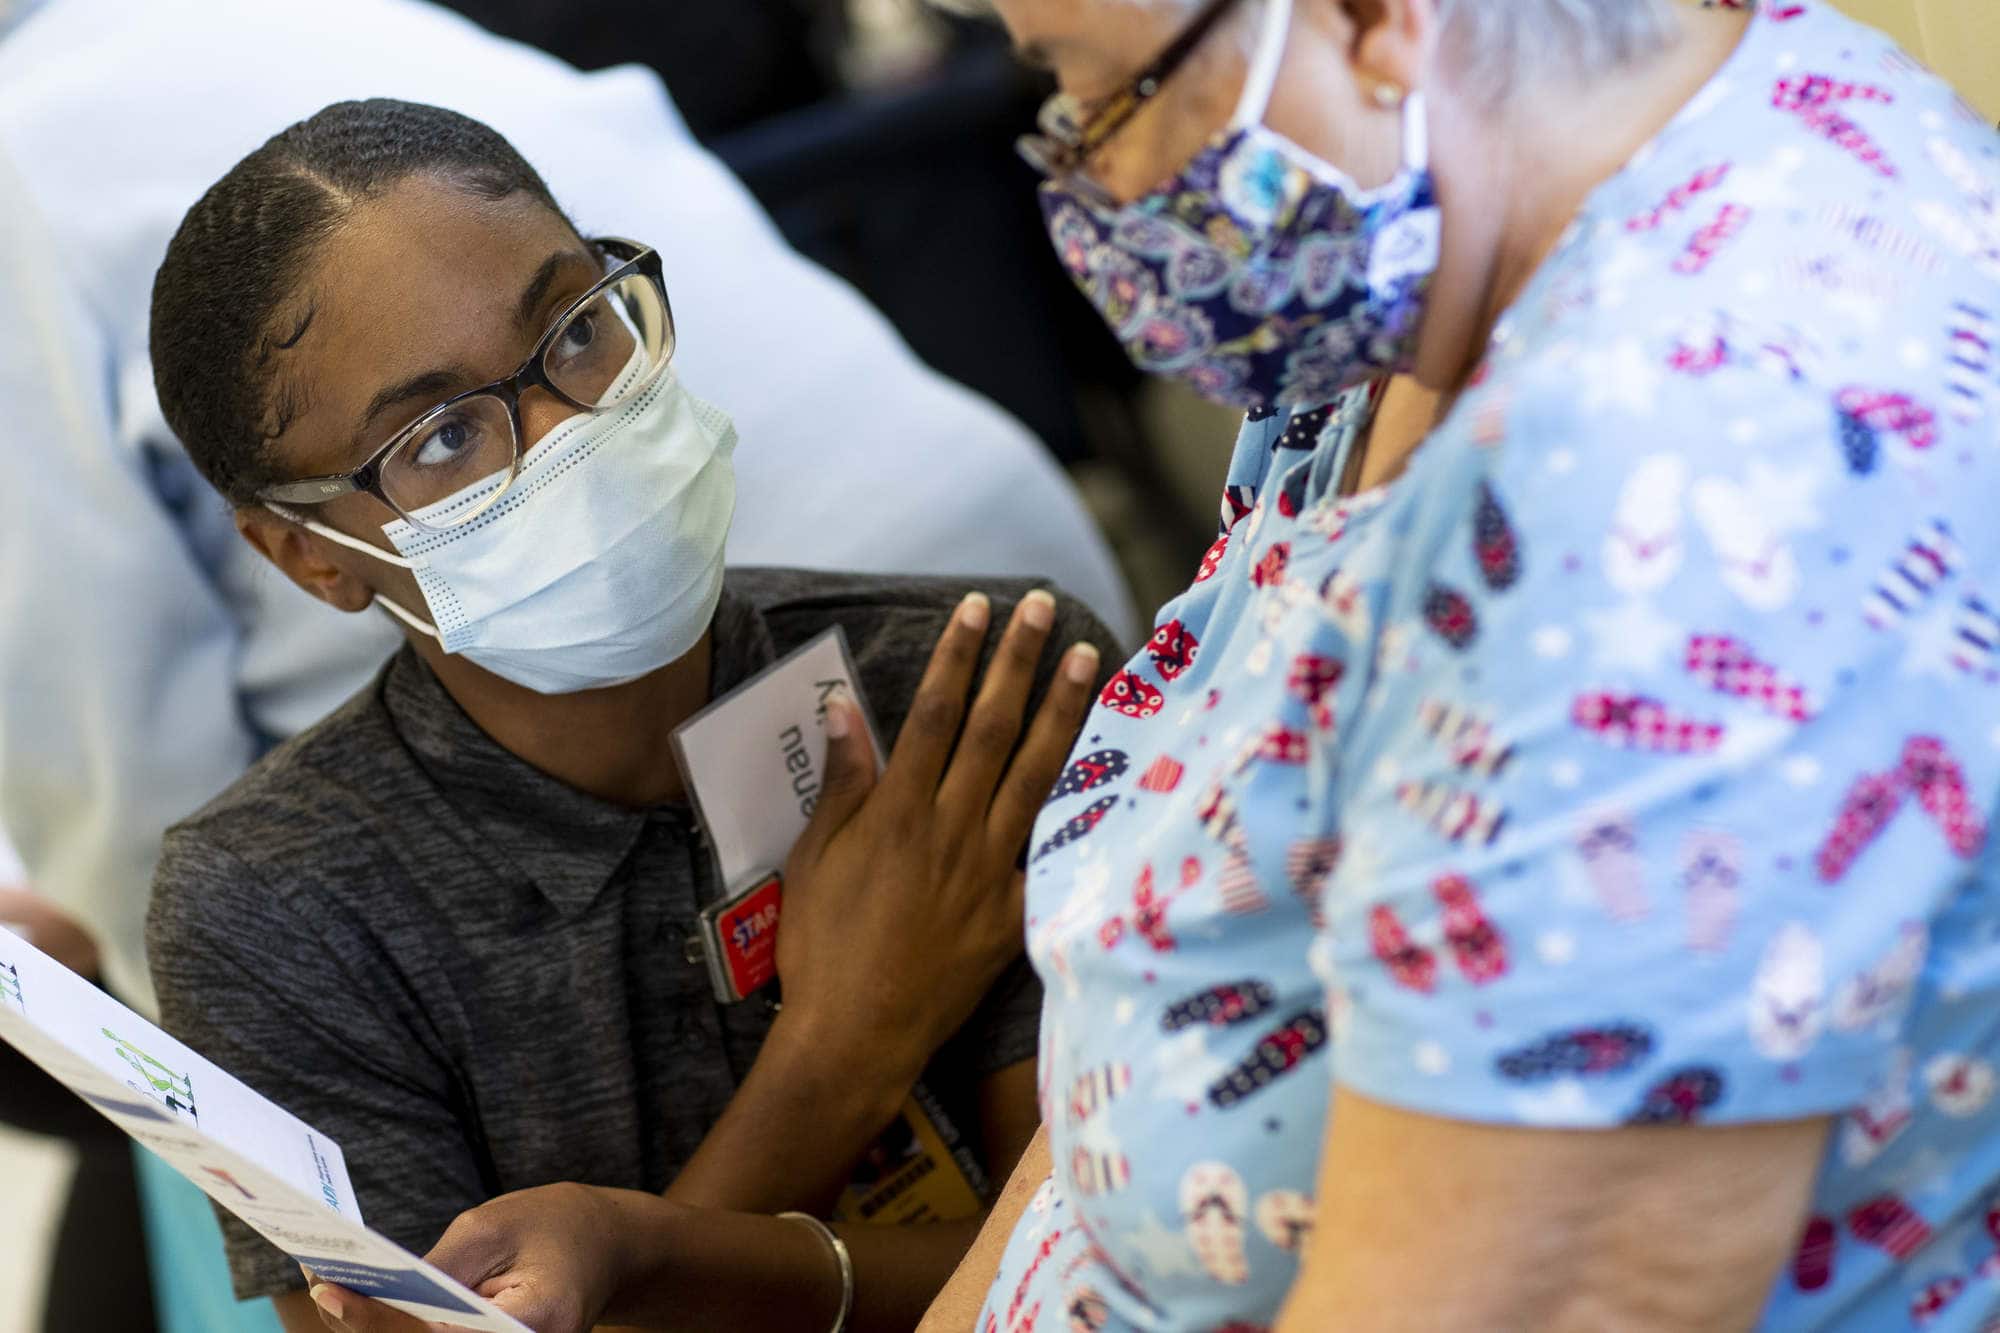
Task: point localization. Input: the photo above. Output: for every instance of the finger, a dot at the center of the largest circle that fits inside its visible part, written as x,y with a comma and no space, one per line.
847,775
995,722
1039,761
349,1312
931,728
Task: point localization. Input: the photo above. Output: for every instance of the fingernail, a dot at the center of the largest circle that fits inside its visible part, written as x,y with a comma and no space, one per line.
1038,609
1081,664
838,719
975,612
327,1299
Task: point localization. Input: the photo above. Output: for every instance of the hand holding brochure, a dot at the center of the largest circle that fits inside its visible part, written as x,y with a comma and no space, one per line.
286,1180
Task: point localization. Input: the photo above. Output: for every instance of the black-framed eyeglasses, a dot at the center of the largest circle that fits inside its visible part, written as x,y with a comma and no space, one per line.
1071,133
455,460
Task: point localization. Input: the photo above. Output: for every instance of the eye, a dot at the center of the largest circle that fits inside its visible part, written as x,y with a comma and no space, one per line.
446,442
577,336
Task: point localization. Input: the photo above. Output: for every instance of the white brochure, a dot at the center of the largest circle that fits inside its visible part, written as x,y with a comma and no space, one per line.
281,1176
754,758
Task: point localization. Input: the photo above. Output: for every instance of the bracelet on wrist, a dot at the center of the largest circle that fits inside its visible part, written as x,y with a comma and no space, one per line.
841,1258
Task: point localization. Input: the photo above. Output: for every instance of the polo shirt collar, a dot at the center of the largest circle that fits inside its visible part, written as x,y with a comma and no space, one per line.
527,824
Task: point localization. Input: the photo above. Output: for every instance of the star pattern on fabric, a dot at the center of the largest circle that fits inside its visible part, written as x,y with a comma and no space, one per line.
1165,1253
1632,636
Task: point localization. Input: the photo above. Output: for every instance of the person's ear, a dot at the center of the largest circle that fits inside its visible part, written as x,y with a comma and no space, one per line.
1392,40
306,559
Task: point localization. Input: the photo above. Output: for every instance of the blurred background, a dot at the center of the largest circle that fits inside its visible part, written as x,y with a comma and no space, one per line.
877,135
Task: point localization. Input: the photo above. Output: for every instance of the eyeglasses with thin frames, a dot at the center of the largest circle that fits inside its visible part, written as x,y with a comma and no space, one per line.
1071,134
489,439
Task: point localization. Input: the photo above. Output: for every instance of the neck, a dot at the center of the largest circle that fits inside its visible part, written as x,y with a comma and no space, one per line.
1484,158
611,743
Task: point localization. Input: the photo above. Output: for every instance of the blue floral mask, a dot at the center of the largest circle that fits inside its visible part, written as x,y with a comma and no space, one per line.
1259,274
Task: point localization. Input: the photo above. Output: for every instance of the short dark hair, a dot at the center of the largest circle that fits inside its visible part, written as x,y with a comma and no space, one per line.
243,249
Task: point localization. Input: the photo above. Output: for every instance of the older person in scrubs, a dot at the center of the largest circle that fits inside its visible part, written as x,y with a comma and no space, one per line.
1538,875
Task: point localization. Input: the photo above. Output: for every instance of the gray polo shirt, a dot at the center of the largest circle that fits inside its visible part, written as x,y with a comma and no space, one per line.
474,977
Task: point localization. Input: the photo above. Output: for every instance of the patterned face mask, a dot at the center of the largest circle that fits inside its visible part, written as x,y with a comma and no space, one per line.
1259,274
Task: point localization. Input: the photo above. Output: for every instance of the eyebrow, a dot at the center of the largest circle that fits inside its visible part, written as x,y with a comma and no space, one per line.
439,382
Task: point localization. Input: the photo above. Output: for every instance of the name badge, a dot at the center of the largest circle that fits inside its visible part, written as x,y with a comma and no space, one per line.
740,940
753,761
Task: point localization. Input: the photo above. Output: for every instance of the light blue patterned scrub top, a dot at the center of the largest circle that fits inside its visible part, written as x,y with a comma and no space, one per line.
1629,759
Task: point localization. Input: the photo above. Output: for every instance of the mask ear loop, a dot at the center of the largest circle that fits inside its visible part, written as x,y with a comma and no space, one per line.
1264,62
340,538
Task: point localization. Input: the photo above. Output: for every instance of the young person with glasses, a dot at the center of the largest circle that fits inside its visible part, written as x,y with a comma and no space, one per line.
454,924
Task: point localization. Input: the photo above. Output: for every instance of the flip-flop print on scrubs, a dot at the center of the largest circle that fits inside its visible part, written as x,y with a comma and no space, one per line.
1878,414
1934,1297
1865,811
1637,722
1494,544
1939,783
1726,665
1960,1085
1680,1098
1977,635
1588,1052
1476,943
1211,559
1753,623
1091,772
1312,680
1787,996
1608,848
1215,1204
1410,964
1277,1053
1457,815
1172,649
1087,1311
1880,992
1711,876
1451,616
1466,736
1309,865
1285,1217
1270,569
1131,695
1098,1165
1909,581
1220,1006
1162,775
1303,431
1078,827
1812,1265
1889,1223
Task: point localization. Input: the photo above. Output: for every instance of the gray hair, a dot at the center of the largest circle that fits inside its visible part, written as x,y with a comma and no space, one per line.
1498,45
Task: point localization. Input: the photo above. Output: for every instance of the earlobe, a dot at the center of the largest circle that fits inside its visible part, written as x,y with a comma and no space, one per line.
1391,44
302,558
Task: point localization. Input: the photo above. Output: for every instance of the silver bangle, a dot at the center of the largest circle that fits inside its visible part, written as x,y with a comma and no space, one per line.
841,1257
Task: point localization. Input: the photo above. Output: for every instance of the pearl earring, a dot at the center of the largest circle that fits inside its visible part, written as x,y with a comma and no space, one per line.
1388,96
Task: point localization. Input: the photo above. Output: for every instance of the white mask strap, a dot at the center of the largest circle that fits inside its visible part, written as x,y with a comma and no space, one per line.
1264,62
1416,132
340,538
420,626
366,548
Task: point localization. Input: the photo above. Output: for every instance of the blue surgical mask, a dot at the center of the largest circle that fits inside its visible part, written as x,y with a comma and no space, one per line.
601,563
1259,274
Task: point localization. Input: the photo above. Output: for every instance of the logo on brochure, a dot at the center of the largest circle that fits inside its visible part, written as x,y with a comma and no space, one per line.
156,1081
10,988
